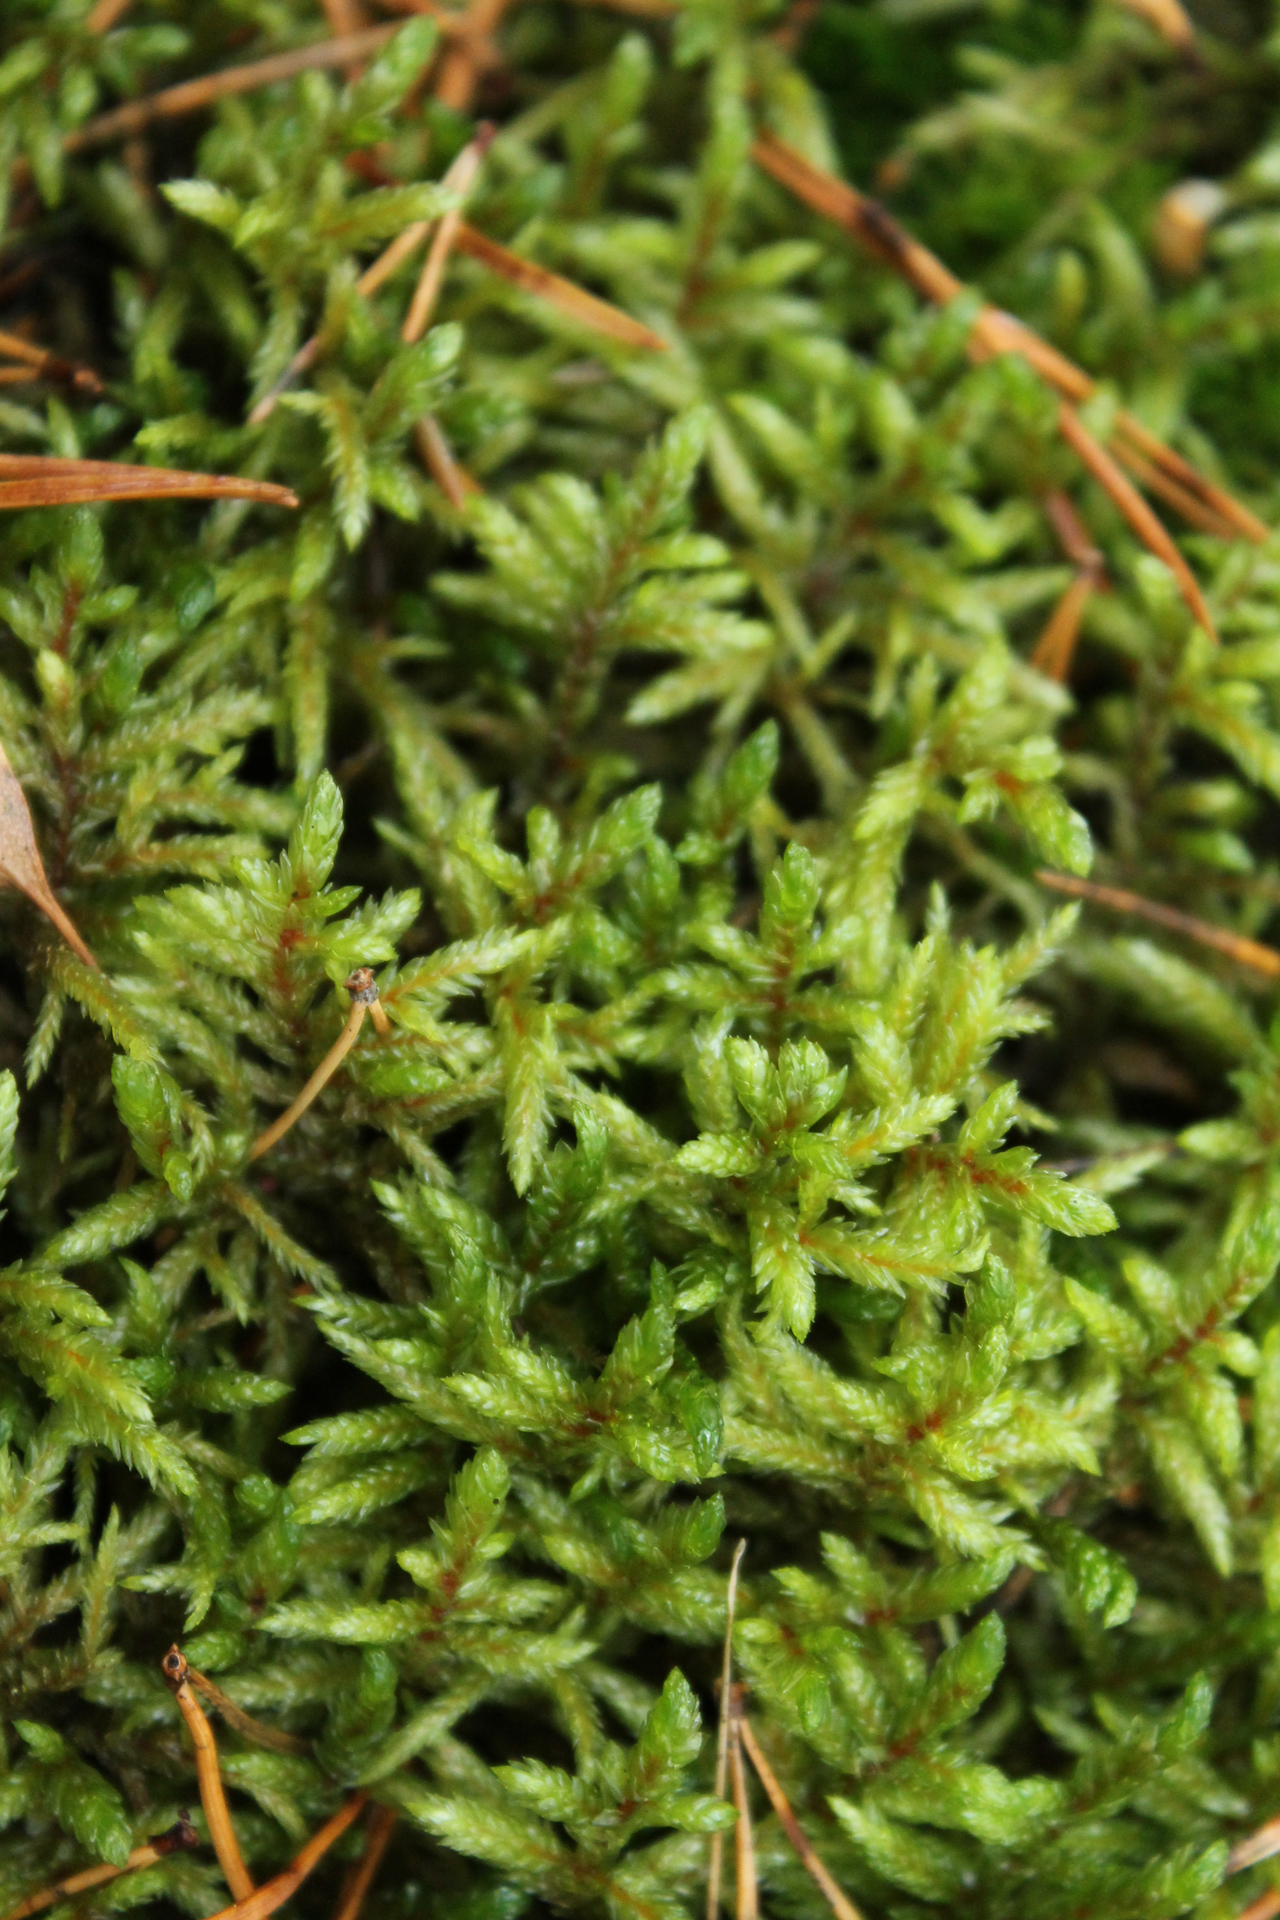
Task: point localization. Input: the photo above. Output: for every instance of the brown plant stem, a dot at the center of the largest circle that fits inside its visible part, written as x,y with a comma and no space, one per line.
363,989
1259,1845
715,1865
834,1895
177,1838
1055,649
360,1878
273,1893
471,55
1168,19
1237,946
1265,1907
744,1852
212,1798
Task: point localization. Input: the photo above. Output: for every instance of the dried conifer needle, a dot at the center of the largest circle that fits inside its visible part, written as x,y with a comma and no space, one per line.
1105,470
993,332
471,55
20,862
212,1799
273,1893
556,291
1250,953
50,366
1168,19
192,95
836,1898
359,1880
244,1722
102,17
38,480
748,1907
178,1837
1265,1907
1260,1845
437,456
716,1862
363,989
1055,649
459,178
1193,509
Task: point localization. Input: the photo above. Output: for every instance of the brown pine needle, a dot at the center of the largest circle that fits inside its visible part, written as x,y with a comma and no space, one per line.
192,95
360,1878
1265,1907
244,1722
1168,19
363,989
37,480
103,17
273,1893
836,1898
1257,1846
1231,509
49,366
472,54
452,478
1172,492
177,1838
715,1865
557,291
20,862
993,332
212,1798
1249,953
459,178
1110,476
1055,649
744,1851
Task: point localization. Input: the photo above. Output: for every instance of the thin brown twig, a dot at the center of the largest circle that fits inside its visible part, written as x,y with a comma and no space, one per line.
244,1722
835,1896
1237,946
212,1798
50,366
360,1877
178,1837
363,989
715,1865
273,1893
459,178
580,305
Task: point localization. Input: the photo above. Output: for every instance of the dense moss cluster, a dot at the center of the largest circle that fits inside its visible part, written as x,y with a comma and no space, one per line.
757,1149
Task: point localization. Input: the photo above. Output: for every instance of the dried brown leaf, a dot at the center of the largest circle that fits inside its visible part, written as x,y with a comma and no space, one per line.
20,862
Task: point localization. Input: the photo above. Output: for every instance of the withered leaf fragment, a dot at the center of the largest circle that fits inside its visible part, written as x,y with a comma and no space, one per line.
20,862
